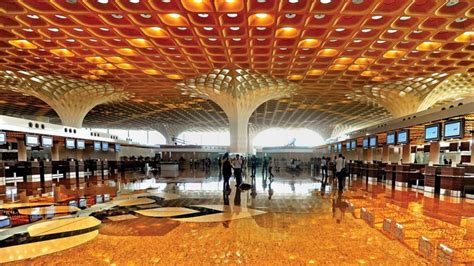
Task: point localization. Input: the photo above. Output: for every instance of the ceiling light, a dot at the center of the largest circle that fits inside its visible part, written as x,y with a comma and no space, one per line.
208,28
340,29
203,15
182,28
165,1
261,28
293,1
405,18
357,40
71,1
357,2
134,1
145,15
377,17
325,1
78,29
117,16
451,3
366,30
261,1
212,39
28,30
380,41
459,20
392,31
104,29
417,31
236,39
235,28
33,16
53,29
70,40
232,15
103,1
319,16
60,16
290,15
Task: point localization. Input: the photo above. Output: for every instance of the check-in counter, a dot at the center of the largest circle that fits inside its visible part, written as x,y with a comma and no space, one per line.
374,173
46,175
3,179
432,179
31,177
407,174
104,170
113,166
92,168
80,173
59,170
70,179
390,170
454,180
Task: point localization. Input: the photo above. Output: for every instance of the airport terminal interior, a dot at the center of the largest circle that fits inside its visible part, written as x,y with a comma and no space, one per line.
257,132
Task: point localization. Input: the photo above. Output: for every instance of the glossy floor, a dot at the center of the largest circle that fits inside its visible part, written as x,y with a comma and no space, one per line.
287,220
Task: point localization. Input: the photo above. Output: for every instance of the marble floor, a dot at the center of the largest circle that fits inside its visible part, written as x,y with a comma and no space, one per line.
290,219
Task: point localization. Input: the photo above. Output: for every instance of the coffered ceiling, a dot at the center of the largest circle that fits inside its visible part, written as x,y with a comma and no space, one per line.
357,62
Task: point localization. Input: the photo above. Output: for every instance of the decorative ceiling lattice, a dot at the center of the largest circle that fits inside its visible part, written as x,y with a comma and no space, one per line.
336,50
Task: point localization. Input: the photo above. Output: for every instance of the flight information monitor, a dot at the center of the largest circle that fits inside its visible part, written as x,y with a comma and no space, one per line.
373,141
46,141
339,147
403,137
97,146
31,140
105,146
432,132
117,147
81,144
353,144
3,138
348,146
365,143
454,129
391,138
70,144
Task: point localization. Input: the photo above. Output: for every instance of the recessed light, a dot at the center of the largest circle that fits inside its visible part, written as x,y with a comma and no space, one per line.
261,28
134,1
333,40
366,30
203,15
208,28
261,1
260,39
232,15
237,39
451,3
28,30
53,29
357,2
319,16
417,31
78,29
212,39
145,15
377,17
380,41
104,29
70,40
340,29
325,1
392,31
235,28
357,40
93,40
182,28
103,1
459,20
166,1
290,15
405,18
60,16
293,1
117,16
33,16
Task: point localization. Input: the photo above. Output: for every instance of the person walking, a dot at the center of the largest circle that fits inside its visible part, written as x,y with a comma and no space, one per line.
237,165
270,167
264,166
226,172
253,165
324,167
340,171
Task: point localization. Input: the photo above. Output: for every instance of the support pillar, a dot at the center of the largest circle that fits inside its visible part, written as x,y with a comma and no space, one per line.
55,152
386,154
406,153
434,152
22,155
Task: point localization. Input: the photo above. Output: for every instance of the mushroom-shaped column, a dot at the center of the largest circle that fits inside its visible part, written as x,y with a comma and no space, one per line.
170,132
238,92
72,99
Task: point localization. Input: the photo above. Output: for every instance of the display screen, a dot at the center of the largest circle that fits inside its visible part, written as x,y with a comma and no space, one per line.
365,143
453,129
98,199
70,144
354,144
106,197
402,137
105,146
31,140
348,146
373,141
97,146
3,138
117,147
432,132
329,148
47,141
81,144
72,203
82,203
391,138
339,147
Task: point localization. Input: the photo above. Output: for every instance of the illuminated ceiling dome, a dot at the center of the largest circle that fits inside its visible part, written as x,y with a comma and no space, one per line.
236,82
